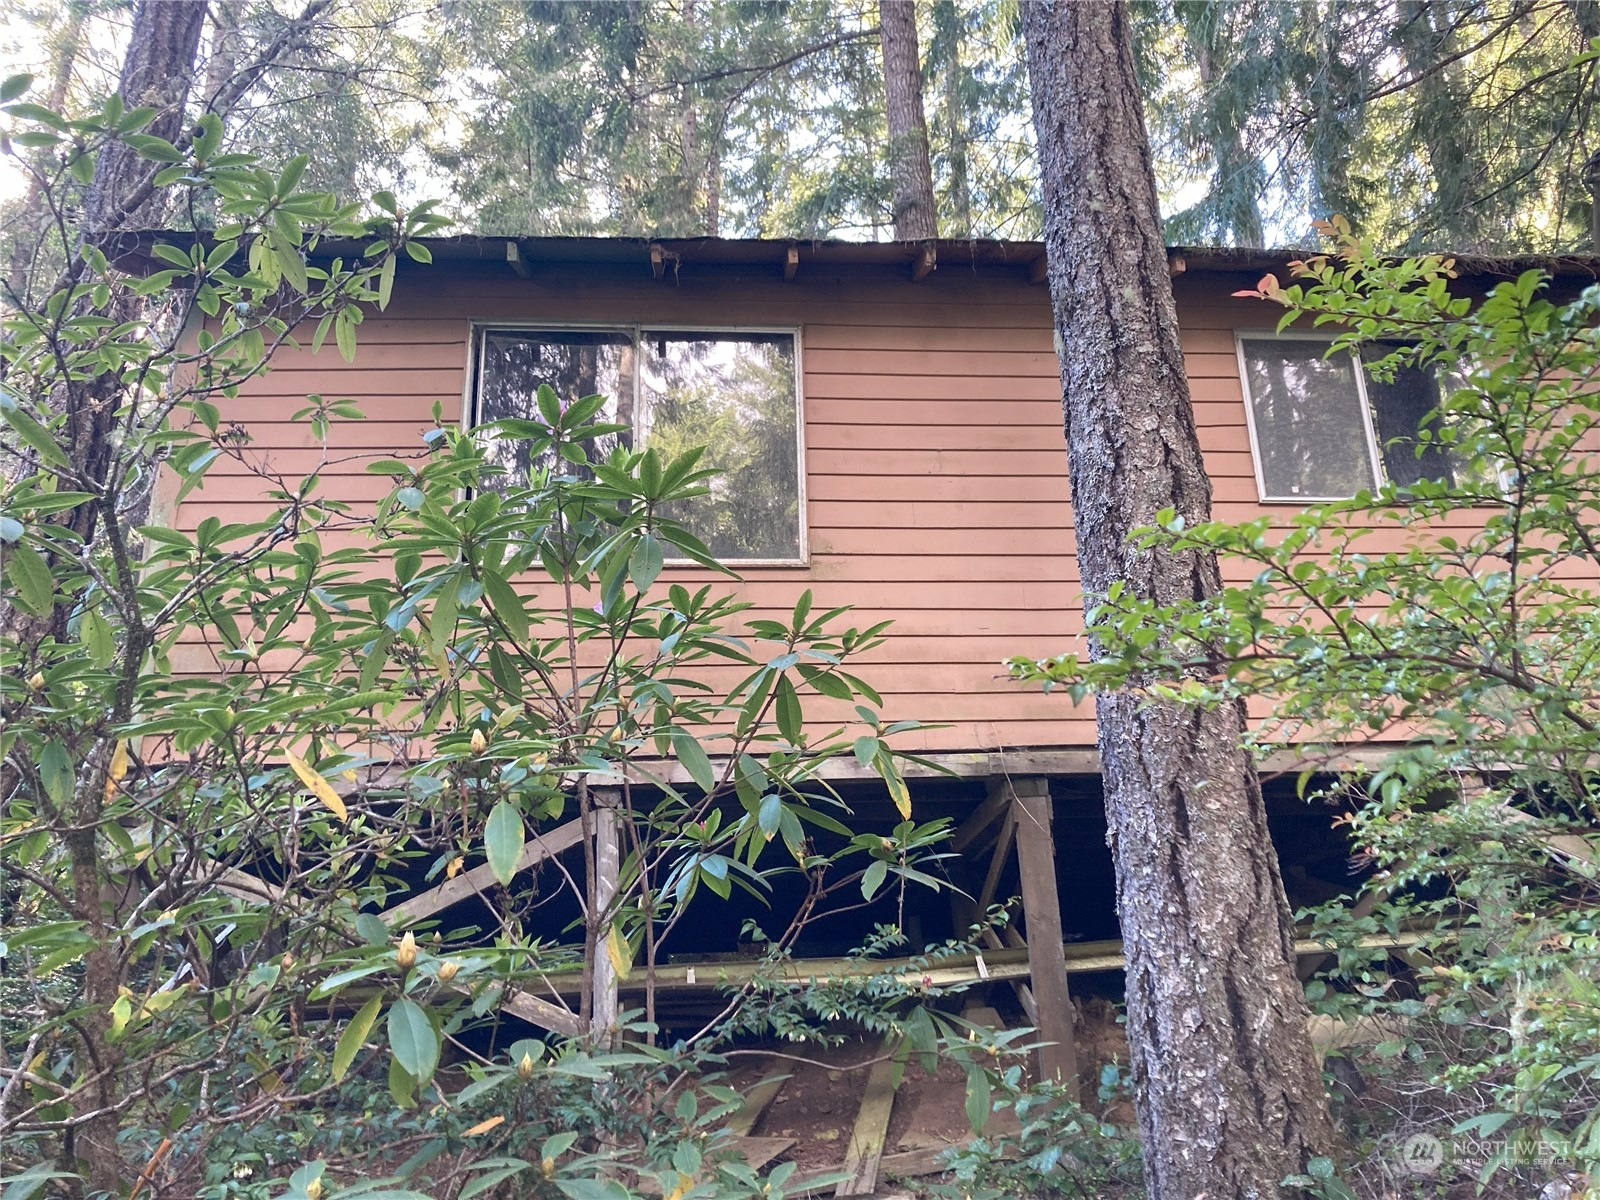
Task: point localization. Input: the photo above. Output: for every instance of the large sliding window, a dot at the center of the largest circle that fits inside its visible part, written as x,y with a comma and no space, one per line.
733,392
1323,429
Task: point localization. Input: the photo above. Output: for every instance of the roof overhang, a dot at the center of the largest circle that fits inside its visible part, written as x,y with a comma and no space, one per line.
794,258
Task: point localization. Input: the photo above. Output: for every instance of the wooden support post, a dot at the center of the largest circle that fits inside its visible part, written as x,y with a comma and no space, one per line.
927,260
791,263
516,262
1041,906
608,866
865,1152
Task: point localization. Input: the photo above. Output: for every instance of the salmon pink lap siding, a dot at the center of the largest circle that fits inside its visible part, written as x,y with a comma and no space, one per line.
936,486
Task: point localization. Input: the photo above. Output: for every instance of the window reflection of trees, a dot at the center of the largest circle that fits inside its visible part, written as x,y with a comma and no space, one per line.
734,394
1310,435
1307,412
574,365
1400,408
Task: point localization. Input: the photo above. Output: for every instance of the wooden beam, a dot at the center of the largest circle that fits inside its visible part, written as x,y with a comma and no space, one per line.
470,883
1176,265
865,1151
997,863
1041,906
791,263
516,262
242,885
927,259
658,261
1039,270
994,806
756,1103
539,1012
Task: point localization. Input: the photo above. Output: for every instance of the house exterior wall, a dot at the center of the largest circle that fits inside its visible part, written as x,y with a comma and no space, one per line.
935,471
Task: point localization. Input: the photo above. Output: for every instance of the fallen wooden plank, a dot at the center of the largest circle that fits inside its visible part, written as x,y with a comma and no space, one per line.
907,1164
757,1152
469,883
865,1152
756,1104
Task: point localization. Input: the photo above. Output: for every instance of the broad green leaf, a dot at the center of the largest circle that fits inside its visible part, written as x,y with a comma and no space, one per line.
492,1177
872,879
978,1106
13,87
355,1033
787,710
30,576
507,606
34,434
644,564
694,759
503,838
386,281
56,773
770,816
413,1040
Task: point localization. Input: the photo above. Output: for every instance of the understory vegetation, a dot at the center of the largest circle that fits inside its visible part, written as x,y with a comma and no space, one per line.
1471,1035
230,749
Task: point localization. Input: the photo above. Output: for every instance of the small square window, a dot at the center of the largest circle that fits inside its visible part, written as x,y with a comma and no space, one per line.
1323,429
735,393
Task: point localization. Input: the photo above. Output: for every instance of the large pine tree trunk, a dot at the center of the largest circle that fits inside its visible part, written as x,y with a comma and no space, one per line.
915,216
1229,1095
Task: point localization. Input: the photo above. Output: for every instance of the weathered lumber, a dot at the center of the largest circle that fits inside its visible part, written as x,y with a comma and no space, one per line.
986,814
470,883
865,1152
1041,906
1001,966
756,1104
997,862
907,1164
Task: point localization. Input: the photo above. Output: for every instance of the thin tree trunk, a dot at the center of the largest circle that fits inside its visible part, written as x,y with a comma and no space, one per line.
64,45
222,59
947,14
1228,1092
1242,211
915,215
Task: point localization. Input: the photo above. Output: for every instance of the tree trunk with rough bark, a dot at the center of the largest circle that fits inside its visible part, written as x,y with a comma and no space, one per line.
158,71
1227,1088
915,215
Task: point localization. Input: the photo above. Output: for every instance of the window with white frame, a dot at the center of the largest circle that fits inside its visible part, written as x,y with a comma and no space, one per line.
1322,428
733,392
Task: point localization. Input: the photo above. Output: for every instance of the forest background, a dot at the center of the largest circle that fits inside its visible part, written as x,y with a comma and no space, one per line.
1431,124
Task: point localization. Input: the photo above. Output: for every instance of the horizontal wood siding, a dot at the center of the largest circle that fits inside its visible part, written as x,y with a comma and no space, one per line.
935,462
